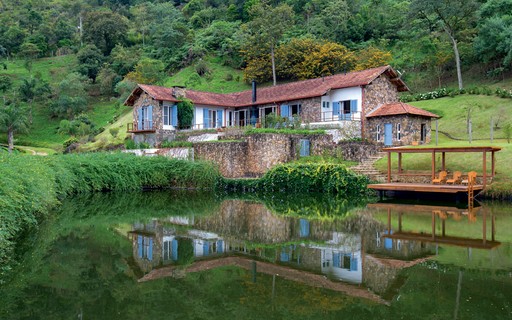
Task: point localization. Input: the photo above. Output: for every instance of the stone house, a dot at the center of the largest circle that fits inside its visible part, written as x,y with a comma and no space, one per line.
342,100
396,124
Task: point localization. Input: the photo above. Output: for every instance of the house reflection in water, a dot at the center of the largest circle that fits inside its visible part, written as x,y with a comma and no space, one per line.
367,252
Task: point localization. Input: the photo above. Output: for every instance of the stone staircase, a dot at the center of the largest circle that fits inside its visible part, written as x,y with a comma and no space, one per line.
367,168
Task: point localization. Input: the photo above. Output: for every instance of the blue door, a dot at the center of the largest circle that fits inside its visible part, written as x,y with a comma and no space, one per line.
388,134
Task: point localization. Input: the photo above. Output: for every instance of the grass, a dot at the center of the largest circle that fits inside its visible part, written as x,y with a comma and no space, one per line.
482,108
52,69
217,81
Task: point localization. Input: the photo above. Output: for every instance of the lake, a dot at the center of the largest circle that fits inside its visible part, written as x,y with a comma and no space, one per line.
178,255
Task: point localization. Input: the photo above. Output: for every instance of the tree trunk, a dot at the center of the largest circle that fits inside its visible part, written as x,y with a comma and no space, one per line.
273,64
457,57
10,140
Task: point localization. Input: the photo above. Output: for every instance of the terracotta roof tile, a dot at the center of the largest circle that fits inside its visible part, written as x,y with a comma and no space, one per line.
396,108
280,93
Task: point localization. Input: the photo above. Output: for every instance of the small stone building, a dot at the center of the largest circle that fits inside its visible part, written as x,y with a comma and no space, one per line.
397,124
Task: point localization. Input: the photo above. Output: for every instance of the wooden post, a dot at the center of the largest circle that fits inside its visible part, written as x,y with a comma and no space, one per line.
485,168
433,165
444,226
437,133
443,165
493,164
433,225
484,224
399,162
400,222
389,166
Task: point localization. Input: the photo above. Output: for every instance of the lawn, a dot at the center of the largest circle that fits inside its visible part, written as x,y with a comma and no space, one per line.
222,79
52,69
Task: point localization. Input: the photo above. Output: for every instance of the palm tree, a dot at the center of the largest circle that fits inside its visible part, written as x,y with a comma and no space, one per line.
13,118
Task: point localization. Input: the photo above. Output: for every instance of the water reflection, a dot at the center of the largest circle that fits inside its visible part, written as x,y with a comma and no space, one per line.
369,248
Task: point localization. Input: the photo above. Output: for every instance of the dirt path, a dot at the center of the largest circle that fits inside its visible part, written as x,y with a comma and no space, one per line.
307,278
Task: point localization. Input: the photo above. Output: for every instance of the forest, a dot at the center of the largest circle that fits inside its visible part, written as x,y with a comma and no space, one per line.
116,44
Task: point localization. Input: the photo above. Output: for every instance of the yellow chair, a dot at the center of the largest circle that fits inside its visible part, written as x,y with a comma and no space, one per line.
441,178
470,179
457,177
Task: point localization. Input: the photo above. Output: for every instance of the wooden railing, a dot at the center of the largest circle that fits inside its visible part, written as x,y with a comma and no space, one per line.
133,127
330,116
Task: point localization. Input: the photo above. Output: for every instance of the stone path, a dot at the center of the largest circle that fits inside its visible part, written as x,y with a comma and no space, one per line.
367,168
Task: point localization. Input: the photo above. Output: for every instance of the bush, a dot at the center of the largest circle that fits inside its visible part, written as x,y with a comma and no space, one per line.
114,131
176,144
202,68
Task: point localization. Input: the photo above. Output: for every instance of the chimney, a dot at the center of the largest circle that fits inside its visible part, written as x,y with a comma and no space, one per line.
178,92
253,91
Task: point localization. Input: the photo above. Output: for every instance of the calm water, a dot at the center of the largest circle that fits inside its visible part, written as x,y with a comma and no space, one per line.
159,255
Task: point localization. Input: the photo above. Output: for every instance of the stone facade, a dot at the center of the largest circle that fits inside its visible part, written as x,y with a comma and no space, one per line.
260,152
410,129
160,135
377,93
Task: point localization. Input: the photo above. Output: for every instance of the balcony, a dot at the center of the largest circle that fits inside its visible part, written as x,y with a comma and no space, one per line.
146,127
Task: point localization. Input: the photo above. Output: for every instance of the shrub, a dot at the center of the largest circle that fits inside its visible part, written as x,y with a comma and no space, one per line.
202,68
177,144
114,131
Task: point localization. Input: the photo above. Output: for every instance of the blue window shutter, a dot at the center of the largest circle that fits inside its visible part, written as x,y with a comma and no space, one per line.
139,119
304,147
285,256
205,118
336,260
353,264
206,248
174,115
220,246
304,227
335,109
174,252
150,249
353,106
139,244
150,117
285,111
219,118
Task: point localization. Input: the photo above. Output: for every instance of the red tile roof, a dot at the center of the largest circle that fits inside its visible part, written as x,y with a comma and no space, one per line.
276,94
396,108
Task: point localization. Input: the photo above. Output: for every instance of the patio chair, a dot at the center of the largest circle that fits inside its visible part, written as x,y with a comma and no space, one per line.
441,178
457,177
470,179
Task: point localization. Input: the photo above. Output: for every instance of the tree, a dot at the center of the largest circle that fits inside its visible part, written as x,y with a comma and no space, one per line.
147,71
331,21
13,119
5,84
105,29
267,28
90,60
372,57
494,40
71,97
451,16
185,113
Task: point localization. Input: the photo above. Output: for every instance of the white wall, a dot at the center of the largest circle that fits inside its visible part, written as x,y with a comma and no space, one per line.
352,93
198,115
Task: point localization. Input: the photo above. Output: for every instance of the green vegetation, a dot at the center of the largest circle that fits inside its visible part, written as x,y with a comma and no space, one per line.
303,178
32,185
283,131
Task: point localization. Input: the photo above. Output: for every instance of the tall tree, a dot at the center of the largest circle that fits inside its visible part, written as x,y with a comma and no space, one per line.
452,16
90,60
105,29
13,119
267,27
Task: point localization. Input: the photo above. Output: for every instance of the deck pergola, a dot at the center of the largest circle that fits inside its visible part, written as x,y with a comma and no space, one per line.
438,188
484,150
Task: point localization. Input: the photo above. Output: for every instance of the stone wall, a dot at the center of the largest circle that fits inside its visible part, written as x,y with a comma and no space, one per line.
260,152
160,135
410,128
379,92
230,157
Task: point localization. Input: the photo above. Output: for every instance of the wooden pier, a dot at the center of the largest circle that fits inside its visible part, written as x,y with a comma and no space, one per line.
470,189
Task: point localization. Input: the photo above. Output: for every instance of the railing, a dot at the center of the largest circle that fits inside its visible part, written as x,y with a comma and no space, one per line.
331,116
133,127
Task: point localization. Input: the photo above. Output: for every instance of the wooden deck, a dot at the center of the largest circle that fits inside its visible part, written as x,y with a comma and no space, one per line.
424,187
449,240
